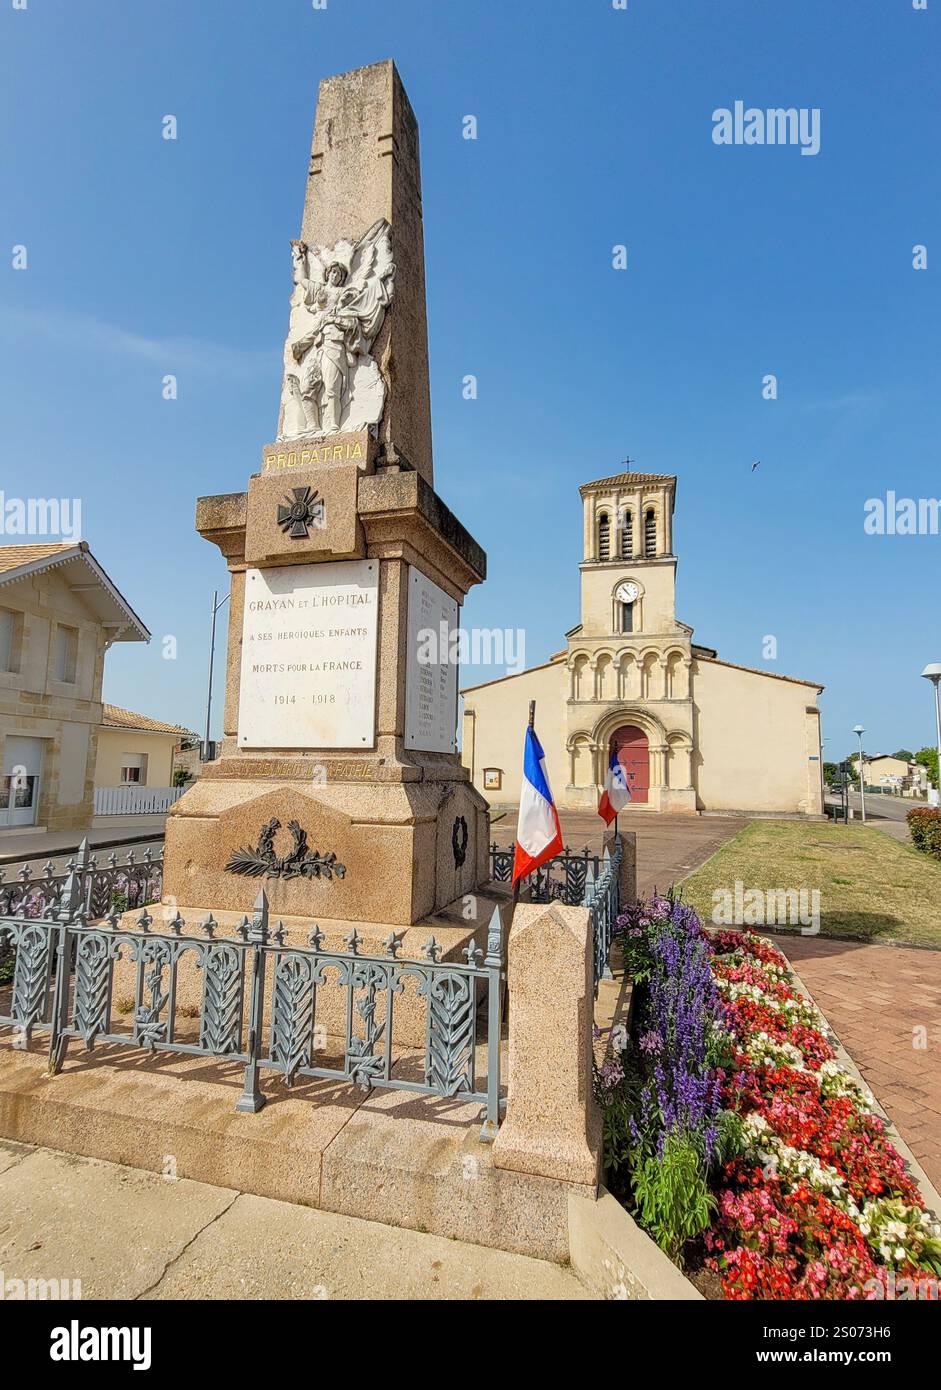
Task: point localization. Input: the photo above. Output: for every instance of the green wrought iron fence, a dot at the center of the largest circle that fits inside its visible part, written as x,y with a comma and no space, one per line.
64,978
132,880
579,879
563,879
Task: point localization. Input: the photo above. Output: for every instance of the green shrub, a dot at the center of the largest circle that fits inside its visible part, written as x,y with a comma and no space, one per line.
673,1199
923,821
932,843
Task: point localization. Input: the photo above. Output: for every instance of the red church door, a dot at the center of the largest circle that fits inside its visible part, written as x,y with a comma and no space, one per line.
634,756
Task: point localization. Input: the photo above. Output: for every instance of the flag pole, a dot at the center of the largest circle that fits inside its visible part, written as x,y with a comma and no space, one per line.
532,725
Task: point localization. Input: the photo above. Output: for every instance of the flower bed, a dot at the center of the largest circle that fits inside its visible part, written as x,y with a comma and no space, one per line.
734,1135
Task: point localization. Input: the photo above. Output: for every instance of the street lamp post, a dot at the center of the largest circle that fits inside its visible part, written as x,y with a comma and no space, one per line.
933,673
858,730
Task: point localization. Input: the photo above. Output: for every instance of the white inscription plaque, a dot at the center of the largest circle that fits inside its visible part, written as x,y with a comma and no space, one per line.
431,675
309,656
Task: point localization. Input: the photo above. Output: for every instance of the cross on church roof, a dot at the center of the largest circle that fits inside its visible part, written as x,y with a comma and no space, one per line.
627,463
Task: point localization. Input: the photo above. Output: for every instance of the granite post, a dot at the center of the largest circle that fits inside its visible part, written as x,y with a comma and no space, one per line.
552,1127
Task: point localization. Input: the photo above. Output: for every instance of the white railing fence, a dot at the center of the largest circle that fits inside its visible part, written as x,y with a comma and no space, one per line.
135,801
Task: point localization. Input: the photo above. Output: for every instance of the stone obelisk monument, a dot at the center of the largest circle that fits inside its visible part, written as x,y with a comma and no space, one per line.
338,787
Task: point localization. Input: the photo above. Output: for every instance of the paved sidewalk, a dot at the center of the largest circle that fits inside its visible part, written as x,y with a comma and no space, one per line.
128,1234
122,832
884,1004
668,847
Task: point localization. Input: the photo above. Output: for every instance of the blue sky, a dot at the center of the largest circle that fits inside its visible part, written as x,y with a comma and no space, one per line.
149,257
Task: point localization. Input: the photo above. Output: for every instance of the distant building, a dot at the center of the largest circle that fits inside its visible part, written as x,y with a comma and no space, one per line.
59,614
895,774
692,733
135,750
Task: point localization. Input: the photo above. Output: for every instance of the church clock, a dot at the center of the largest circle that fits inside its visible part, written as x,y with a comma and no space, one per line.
627,592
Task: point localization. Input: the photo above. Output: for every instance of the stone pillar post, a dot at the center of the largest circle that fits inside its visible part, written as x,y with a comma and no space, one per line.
627,878
595,679
664,677
552,1127
233,660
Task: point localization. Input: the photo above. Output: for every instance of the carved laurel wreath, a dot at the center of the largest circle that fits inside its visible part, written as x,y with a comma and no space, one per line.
459,839
302,862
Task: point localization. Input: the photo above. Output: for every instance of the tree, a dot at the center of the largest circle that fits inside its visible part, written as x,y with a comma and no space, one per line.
928,757
831,772
181,775
904,755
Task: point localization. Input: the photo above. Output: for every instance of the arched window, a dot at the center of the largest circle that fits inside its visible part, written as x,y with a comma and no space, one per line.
627,534
604,537
627,617
650,532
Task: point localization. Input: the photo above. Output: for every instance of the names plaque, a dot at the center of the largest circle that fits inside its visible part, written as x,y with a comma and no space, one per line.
431,674
308,677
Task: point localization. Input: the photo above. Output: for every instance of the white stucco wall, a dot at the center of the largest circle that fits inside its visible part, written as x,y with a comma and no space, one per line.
755,742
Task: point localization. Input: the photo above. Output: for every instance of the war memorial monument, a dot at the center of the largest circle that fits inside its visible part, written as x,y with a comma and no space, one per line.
332,1004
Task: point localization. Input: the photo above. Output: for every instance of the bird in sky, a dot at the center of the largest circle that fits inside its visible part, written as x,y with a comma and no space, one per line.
755,464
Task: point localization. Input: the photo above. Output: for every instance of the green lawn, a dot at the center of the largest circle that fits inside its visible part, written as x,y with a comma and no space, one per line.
870,885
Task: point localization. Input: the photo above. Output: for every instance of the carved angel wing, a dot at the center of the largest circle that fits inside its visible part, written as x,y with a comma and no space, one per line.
316,265
372,272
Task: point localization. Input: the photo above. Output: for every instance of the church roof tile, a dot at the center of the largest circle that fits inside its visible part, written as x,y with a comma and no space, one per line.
628,480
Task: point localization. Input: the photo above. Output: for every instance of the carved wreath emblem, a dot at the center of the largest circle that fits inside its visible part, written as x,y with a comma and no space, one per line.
300,863
296,514
459,840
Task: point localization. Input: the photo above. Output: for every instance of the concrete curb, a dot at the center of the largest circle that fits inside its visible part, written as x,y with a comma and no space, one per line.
616,1260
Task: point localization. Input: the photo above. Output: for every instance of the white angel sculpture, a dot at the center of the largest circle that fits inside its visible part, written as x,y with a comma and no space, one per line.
340,297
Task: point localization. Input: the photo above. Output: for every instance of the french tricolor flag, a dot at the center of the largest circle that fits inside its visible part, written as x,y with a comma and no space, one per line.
538,834
616,792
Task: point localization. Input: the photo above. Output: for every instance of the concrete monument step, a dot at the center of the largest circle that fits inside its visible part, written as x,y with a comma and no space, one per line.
127,1234
397,1157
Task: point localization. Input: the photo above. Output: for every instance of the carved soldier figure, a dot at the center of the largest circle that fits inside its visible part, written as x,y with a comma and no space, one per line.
337,307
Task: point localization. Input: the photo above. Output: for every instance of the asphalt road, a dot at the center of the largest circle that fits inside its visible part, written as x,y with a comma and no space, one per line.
885,812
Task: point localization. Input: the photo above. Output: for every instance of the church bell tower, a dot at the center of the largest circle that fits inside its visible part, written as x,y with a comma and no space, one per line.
628,566
630,659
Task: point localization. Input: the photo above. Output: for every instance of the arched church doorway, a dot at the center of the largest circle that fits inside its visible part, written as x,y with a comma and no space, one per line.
633,751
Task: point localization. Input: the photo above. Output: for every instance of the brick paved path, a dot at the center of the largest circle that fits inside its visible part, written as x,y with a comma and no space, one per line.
876,998
668,847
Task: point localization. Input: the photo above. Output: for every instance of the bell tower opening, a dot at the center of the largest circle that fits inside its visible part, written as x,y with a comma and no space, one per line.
650,533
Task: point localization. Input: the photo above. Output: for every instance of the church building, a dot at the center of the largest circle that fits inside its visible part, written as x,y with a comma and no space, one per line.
692,733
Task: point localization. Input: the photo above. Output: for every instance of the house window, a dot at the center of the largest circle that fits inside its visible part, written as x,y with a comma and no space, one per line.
650,533
66,654
9,633
627,535
133,769
627,617
604,537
